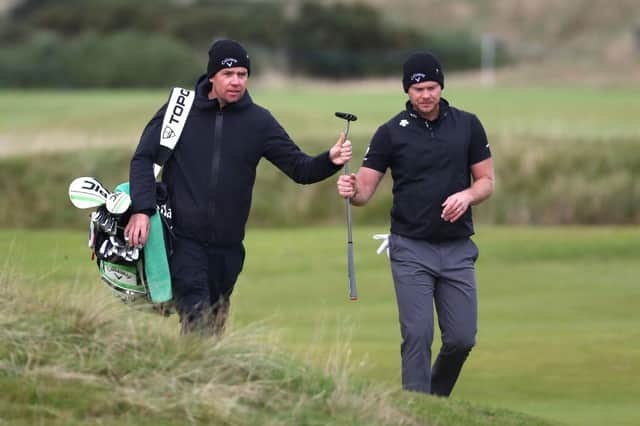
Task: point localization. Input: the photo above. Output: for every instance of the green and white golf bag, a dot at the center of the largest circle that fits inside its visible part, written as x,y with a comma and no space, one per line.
139,277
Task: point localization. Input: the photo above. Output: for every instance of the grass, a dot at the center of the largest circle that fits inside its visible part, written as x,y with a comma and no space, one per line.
37,121
71,354
563,155
558,324
557,339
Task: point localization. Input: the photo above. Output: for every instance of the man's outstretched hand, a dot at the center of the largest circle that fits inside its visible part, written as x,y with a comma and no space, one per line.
340,153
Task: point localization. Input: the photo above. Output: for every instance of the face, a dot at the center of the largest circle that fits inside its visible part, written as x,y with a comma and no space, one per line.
425,98
229,84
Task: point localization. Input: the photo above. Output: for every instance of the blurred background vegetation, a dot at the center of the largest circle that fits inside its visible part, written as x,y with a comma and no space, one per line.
555,84
107,43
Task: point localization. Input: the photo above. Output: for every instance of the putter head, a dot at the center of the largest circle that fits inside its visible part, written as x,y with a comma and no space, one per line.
86,192
346,116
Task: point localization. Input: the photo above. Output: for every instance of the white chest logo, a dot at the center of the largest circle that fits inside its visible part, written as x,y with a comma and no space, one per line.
367,152
404,123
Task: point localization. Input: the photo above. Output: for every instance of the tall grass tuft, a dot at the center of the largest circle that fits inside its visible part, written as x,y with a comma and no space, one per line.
115,366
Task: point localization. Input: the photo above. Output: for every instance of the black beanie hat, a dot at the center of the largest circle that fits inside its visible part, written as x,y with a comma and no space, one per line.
419,67
227,54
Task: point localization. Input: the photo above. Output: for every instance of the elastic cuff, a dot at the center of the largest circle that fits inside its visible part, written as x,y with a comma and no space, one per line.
148,212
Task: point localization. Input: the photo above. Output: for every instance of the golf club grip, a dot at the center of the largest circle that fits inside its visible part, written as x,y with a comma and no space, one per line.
353,293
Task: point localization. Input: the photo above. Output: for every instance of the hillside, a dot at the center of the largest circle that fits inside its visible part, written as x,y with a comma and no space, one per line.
589,41
83,359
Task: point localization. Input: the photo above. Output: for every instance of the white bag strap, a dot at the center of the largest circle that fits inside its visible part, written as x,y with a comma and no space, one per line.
173,122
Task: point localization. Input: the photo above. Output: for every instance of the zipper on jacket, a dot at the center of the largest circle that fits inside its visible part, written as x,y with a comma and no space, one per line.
215,173
430,129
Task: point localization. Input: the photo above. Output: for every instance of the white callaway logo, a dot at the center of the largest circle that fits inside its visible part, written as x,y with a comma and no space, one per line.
418,77
168,133
228,62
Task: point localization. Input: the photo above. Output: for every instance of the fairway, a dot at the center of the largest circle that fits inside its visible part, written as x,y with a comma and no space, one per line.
45,121
558,335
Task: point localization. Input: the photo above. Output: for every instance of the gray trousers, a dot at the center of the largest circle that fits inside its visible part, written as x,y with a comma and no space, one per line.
441,274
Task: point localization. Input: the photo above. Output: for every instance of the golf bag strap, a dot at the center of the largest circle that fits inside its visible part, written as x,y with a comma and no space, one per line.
175,116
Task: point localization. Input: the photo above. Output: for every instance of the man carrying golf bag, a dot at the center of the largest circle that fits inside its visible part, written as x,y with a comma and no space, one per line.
210,176
433,151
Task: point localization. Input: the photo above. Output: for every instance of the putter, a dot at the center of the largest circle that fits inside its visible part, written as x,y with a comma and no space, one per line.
353,294
86,192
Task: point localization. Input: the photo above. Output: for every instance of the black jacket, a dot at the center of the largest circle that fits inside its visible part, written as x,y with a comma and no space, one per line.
211,173
429,161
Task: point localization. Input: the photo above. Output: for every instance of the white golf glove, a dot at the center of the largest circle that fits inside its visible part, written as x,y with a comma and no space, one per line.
385,243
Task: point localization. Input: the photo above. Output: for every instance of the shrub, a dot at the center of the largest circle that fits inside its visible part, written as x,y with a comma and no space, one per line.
131,59
124,59
352,40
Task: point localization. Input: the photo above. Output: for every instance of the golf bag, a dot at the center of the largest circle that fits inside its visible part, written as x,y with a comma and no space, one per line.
139,277
123,267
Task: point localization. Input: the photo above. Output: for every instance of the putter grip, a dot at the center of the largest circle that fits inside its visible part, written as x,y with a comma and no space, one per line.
353,293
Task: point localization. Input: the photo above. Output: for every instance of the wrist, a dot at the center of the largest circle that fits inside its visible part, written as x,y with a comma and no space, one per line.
332,158
469,197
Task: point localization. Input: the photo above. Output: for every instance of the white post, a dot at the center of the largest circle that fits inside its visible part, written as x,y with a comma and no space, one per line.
488,59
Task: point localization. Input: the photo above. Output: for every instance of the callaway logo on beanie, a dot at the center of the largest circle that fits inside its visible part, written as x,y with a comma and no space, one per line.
227,54
419,67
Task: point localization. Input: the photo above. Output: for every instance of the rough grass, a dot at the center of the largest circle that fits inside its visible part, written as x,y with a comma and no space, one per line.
78,358
558,335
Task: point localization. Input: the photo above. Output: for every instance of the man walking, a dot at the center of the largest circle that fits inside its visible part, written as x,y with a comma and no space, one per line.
210,177
441,165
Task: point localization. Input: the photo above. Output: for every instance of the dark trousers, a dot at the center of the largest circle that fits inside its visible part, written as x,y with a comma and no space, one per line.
441,274
203,278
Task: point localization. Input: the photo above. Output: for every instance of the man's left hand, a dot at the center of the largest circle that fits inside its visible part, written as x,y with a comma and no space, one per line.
340,153
455,206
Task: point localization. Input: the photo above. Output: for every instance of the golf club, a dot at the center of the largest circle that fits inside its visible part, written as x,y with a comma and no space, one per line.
353,294
86,192
118,202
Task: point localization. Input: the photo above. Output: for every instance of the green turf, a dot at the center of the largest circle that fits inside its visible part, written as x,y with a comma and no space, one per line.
55,119
558,335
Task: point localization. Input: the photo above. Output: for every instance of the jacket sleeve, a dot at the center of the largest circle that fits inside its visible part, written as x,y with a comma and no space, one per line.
288,157
378,153
479,147
141,179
